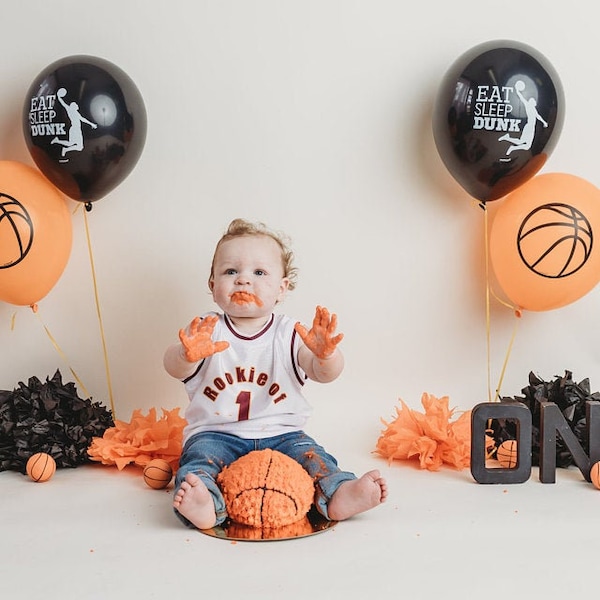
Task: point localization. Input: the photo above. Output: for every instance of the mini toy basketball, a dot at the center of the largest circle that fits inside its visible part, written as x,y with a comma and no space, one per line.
158,473
507,454
40,467
266,489
595,475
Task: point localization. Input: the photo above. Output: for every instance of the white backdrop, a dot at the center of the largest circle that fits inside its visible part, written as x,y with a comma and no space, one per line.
315,117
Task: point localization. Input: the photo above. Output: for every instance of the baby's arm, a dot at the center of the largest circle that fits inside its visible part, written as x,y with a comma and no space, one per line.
319,357
181,359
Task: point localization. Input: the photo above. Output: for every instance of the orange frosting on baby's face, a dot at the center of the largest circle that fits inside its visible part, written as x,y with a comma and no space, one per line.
246,298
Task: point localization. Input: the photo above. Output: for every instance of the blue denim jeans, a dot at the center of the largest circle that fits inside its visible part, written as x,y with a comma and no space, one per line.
207,453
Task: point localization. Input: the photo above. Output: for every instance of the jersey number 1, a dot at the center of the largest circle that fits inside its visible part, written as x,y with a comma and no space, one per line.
243,399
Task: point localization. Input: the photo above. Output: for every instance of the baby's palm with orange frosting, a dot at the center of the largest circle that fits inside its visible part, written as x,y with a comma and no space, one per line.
198,342
321,339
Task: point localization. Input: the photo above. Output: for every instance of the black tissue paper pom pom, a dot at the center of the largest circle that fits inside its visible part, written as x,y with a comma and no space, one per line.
568,395
48,417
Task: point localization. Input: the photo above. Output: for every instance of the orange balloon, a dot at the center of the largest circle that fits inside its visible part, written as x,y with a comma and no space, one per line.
545,242
35,234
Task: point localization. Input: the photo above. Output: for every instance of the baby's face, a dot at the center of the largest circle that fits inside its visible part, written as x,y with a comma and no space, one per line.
248,278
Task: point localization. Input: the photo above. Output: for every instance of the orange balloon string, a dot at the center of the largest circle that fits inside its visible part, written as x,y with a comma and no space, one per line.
99,313
487,301
516,311
62,354
508,351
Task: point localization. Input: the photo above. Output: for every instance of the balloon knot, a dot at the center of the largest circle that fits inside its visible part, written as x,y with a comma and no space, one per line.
518,313
34,307
88,206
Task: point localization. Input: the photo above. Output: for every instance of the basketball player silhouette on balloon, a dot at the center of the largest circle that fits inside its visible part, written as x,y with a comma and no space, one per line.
525,140
244,369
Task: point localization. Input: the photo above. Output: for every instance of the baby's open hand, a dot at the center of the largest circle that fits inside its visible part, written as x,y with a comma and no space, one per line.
321,339
198,343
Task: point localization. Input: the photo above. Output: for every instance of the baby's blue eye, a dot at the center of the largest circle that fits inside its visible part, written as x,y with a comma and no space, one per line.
230,272
260,272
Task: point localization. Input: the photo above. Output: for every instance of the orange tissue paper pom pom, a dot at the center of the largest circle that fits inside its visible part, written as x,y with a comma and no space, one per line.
141,440
431,437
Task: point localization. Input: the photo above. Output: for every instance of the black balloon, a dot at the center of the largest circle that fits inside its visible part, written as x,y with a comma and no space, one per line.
84,122
497,117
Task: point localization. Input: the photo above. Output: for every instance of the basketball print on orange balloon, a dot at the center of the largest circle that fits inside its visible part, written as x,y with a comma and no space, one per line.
35,234
555,240
16,229
541,244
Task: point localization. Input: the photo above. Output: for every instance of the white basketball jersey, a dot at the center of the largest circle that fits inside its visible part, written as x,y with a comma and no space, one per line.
253,389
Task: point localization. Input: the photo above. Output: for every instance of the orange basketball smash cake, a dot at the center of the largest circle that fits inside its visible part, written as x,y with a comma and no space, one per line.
266,489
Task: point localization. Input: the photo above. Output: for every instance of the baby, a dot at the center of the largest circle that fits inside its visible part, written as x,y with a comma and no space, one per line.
244,370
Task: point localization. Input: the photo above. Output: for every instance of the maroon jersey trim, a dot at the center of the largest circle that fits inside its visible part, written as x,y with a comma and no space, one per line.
253,337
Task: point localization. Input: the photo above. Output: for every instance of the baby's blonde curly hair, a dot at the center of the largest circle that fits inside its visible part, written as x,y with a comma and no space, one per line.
240,227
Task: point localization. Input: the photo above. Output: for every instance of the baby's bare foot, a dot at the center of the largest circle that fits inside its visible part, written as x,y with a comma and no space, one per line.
194,502
357,495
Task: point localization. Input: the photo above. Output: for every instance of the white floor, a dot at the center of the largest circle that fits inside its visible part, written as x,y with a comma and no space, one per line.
98,533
